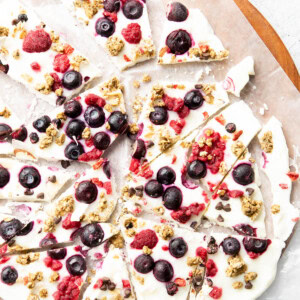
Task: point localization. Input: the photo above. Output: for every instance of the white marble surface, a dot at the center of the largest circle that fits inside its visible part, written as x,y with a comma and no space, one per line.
284,16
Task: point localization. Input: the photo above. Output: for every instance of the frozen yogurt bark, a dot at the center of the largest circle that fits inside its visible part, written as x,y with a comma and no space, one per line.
120,27
188,37
33,54
275,164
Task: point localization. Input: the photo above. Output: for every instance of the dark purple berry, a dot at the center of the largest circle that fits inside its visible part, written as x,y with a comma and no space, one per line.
112,5
231,246
193,99
5,131
133,9
29,177
48,240
154,189
197,169
243,174
144,263
72,108
75,128
140,149
8,229
245,229
163,271
179,42
73,151
172,198
20,134
94,116
86,192
57,123
166,175
230,127
76,265
177,12
57,254
22,17
72,80
178,247
4,177
9,275
105,27
34,138
92,235
159,116
26,229
106,169
42,123
172,288
255,245
118,122
101,140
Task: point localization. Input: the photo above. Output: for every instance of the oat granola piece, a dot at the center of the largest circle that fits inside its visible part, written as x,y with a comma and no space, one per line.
250,207
114,45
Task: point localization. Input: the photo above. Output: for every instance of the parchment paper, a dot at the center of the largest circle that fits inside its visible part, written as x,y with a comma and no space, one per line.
270,86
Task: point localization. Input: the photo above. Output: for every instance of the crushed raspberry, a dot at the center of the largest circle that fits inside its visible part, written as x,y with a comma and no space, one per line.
98,164
68,224
3,260
35,66
53,264
231,193
98,182
173,104
3,249
293,175
126,58
68,49
221,119
91,155
112,16
174,159
216,293
107,187
126,283
92,99
237,135
132,33
180,282
284,186
201,252
177,125
139,169
206,199
183,214
67,289
37,41
205,115
89,142
211,268
145,238
165,248
57,82
184,112
61,63
98,284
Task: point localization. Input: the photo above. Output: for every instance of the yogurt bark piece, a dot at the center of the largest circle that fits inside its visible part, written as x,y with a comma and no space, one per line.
111,280
238,76
39,58
82,130
121,27
238,202
240,267
53,274
162,189
29,182
188,37
275,164
162,259
173,111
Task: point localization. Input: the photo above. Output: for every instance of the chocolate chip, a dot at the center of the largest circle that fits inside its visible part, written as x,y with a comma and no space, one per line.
65,164
28,192
219,206
103,287
111,286
40,196
23,17
52,178
198,86
227,207
250,191
150,144
209,282
139,191
105,280
230,127
131,192
248,285
40,230
15,22
127,293
60,100
220,218
194,224
224,197
4,68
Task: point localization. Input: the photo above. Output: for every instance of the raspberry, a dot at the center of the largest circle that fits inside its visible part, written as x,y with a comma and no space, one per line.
177,125
98,182
211,268
57,82
180,282
35,66
89,142
67,289
56,265
196,208
235,194
91,155
112,16
126,283
134,165
216,293
182,215
37,41
145,238
61,63
132,34
173,104
68,224
68,49
184,112
48,261
201,252
92,99
107,186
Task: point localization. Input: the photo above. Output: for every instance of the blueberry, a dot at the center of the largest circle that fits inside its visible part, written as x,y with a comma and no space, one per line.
72,108
133,9
86,192
5,131
118,122
178,247
75,128
22,17
57,254
159,116
172,288
166,175
178,12
193,99
144,263
4,177
154,189
140,149
243,174
197,169
73,151
34,138
230,127
42,123
245,229
255,245
8,229
20,134
105,27
231,246
48,240
76,265
72,80
29,177
112,5
163,271
92,235
179,42
94,116
26,229
9,275
101,140
172,198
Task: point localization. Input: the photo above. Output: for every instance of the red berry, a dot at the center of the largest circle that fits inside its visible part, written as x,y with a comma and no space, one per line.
48,261
35,66
56,265
91,155
126,283
182,215
184,112
216,293
201,252
177,125
68,49
173,104
92,99
132,33
145,238
108,188
37,41
61,63
211,268
112,16
68,224
57,82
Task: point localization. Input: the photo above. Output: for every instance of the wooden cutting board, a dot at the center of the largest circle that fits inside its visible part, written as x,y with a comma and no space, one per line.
271,39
